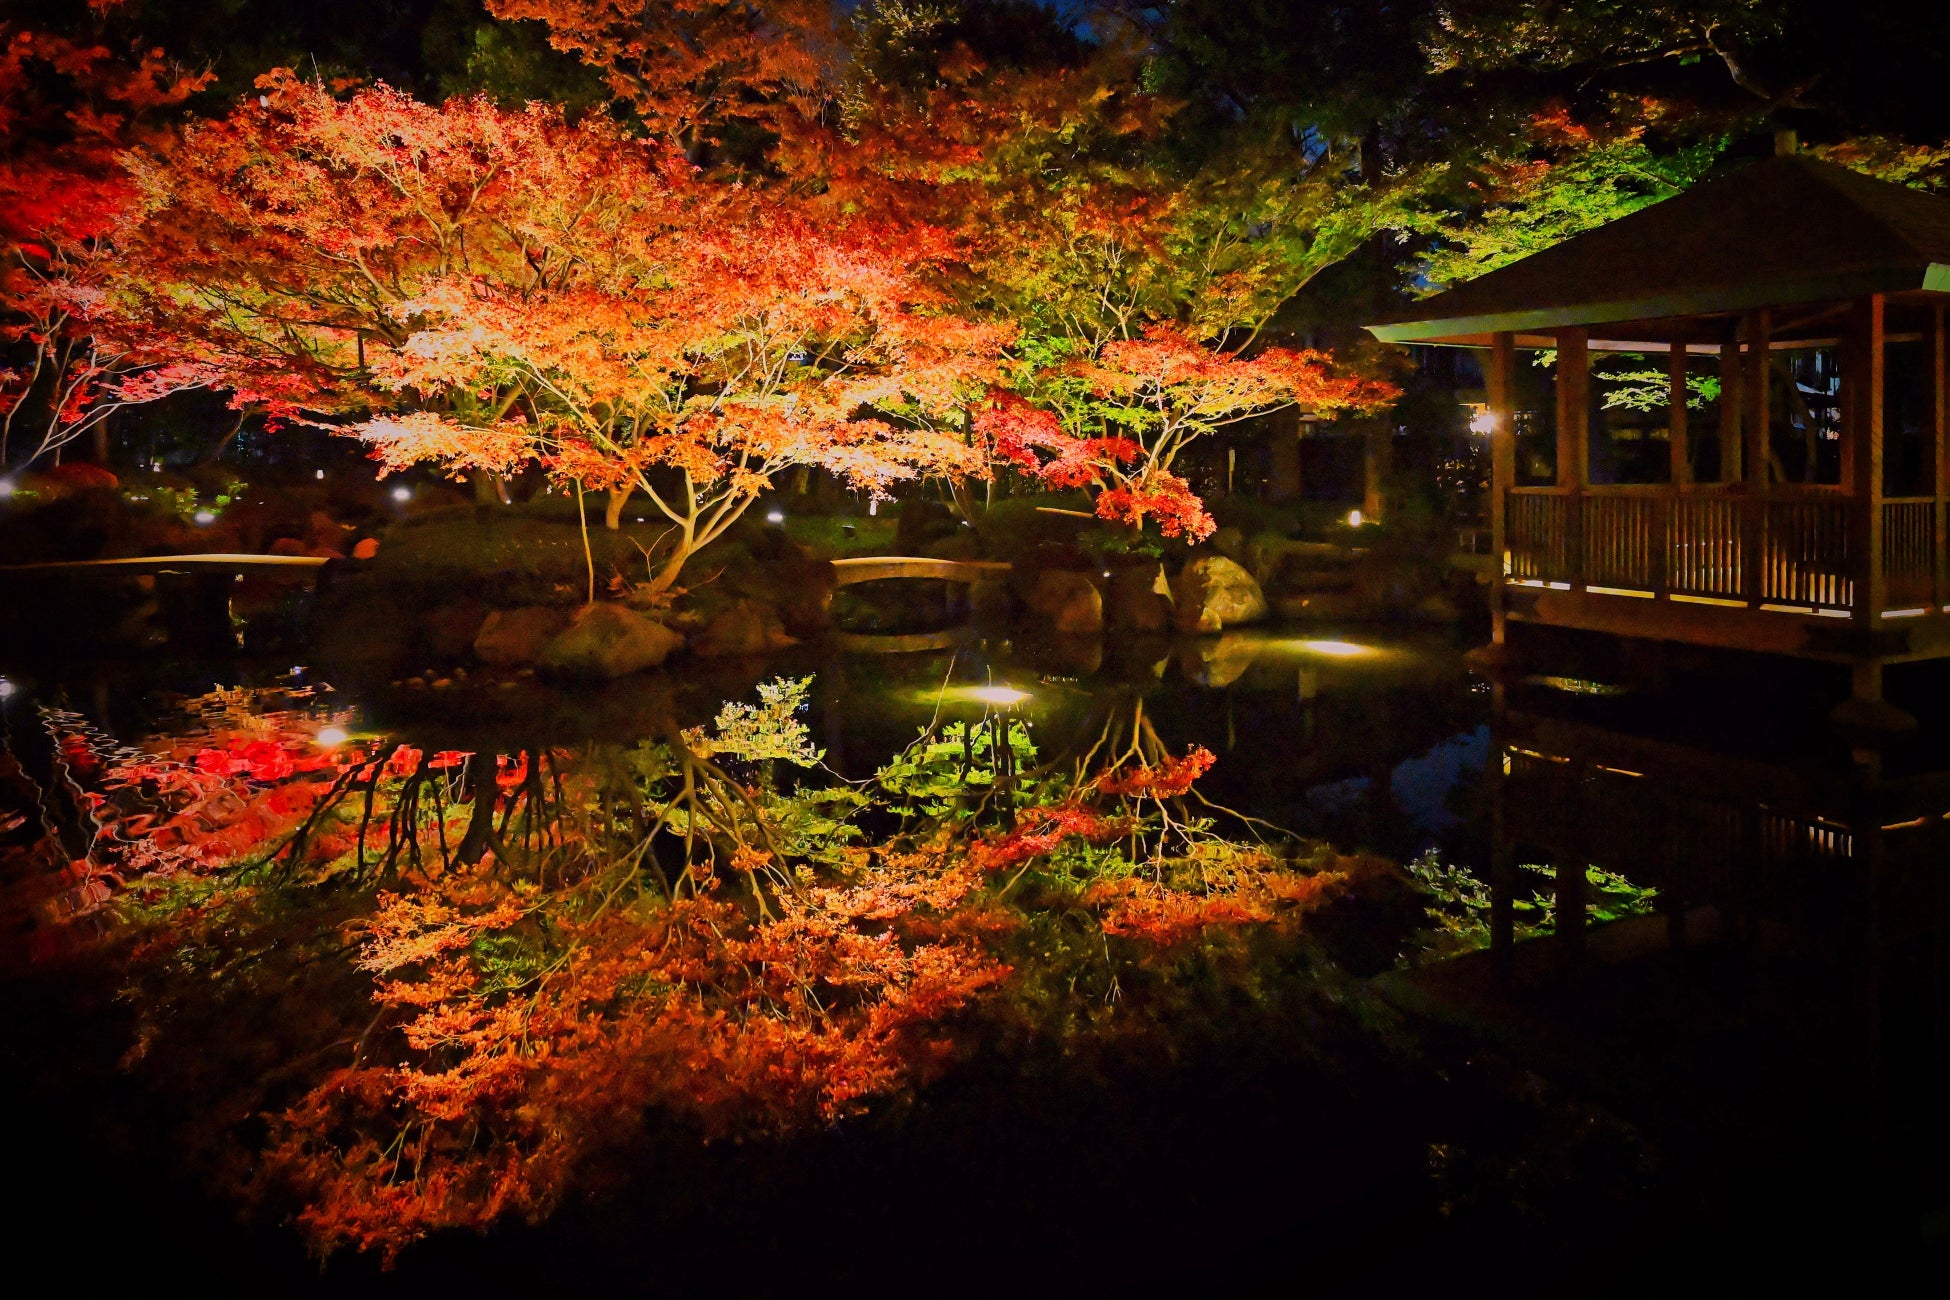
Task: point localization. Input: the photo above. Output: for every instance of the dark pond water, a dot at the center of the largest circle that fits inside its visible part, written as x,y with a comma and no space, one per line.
1321,1137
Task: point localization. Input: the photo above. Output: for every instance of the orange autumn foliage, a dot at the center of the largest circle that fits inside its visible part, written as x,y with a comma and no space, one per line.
704,965
68,111
478,288
1133,407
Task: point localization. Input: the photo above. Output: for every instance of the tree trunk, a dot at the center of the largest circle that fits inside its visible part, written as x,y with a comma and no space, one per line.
666,578
490,489
961,494
211,456
480,837
613,510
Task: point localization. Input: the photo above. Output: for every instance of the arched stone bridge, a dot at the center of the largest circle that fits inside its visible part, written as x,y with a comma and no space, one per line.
216,562
874,568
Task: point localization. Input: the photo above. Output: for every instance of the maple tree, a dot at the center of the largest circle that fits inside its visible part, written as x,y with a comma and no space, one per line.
1115,422
67,111
698,71
768,340
700,927
479,288
1075,215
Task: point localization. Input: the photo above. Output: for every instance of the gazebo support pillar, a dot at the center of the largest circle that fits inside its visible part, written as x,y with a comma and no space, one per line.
1864,366
1939,409
1732,440
1754,429
1681,448
1573,440
1500,383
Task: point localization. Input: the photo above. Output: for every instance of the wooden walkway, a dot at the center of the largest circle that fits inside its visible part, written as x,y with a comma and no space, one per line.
875,568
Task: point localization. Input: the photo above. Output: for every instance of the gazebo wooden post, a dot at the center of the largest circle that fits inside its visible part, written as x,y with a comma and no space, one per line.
1731,440
1573,441
1939,408
1754,437
1754,397
1864,366
1682,452
1500,381
1665,521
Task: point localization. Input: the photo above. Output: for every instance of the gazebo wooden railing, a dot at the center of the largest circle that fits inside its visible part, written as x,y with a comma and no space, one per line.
1783,552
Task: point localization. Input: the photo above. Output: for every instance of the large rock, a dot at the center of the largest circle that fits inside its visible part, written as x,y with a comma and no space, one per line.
1068,601
607,641
515,638
1212,593
747,627
449,630
1139,600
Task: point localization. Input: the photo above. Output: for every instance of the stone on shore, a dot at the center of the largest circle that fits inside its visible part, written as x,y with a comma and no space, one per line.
1213,593
515,638
1068,601
1139,599
747,627
607,641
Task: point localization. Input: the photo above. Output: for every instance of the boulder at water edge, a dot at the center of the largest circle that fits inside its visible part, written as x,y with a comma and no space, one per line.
1068,601
514,638
1212,593
448,632
1139,599
607,641
747,627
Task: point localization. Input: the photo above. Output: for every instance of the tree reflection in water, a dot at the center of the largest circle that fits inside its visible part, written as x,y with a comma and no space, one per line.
413,990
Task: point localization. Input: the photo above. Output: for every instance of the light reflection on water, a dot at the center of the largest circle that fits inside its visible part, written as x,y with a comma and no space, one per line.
1391,745
1299,723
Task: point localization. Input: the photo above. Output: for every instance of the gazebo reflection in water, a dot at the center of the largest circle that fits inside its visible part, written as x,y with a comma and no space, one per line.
1797,959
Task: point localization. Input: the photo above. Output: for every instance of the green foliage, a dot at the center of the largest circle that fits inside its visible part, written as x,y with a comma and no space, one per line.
1649,388
510,555
511,62
1563,182
184,500
766,731
944,770
1457,907
1631,383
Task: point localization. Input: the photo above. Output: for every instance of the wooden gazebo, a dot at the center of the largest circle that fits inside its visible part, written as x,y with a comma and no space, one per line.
1798,506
